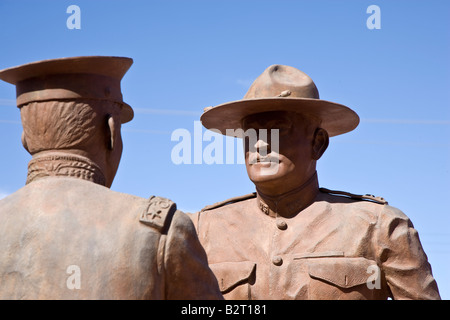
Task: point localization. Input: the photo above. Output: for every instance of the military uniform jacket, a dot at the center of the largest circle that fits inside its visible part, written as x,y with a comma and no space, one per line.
66,238
336,248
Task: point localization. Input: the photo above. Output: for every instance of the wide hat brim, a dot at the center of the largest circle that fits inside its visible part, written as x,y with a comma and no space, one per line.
335,118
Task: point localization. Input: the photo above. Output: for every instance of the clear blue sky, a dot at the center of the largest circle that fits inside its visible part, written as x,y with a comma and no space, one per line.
192,54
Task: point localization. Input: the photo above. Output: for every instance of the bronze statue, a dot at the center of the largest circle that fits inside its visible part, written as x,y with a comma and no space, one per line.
291,239
66,235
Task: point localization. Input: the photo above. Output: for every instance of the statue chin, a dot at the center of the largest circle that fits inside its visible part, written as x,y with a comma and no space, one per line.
266,172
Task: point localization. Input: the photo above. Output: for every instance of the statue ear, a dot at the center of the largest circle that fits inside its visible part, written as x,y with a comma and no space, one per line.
111,132
320,143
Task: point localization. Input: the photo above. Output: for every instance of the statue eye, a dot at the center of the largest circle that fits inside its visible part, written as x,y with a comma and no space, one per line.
283,127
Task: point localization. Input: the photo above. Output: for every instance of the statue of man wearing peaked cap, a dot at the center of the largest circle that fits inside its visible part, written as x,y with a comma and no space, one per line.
291,239
65,234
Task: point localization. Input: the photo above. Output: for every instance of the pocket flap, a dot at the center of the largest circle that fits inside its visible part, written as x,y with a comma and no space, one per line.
342,272
231,274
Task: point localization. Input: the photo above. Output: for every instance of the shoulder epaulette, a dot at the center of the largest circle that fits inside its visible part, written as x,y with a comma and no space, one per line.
368,197
229,201
158,213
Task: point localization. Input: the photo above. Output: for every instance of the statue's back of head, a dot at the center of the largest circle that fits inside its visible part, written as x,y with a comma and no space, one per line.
72,106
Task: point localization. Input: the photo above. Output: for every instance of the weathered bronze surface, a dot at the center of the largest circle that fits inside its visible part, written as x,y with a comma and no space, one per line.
292,239
66,235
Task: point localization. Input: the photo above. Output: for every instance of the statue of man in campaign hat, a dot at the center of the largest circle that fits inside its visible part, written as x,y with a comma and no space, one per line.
291,239
65,234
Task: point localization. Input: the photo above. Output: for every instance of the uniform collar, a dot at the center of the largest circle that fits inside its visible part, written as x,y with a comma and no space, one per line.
289,203
64,165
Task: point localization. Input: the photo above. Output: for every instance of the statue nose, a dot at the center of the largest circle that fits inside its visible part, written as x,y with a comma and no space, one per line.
261,144
262,147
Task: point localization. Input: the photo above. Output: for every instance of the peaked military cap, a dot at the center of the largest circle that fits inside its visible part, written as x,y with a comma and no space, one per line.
92,77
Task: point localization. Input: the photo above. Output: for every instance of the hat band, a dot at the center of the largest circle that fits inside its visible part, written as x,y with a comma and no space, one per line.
68,86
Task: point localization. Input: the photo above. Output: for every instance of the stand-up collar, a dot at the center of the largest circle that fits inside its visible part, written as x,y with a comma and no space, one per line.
291,203
64,165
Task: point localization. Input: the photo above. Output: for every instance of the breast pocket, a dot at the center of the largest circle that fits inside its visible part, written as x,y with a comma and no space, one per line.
235,278
344,278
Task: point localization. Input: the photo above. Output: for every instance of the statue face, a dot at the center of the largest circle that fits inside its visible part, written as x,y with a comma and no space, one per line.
294,150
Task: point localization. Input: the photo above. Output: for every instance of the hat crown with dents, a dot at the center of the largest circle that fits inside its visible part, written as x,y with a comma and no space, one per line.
280,88
89,77
282,81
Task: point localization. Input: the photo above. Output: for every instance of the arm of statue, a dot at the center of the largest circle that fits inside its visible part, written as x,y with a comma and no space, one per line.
185,264
403,261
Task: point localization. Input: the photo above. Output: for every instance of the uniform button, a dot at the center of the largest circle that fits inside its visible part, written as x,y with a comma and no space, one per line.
277,260
281,224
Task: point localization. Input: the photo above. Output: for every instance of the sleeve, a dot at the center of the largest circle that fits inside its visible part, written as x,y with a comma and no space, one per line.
185,264
402,258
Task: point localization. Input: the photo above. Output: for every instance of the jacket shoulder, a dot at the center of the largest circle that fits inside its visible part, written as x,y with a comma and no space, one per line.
229,201
158,213
360,197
